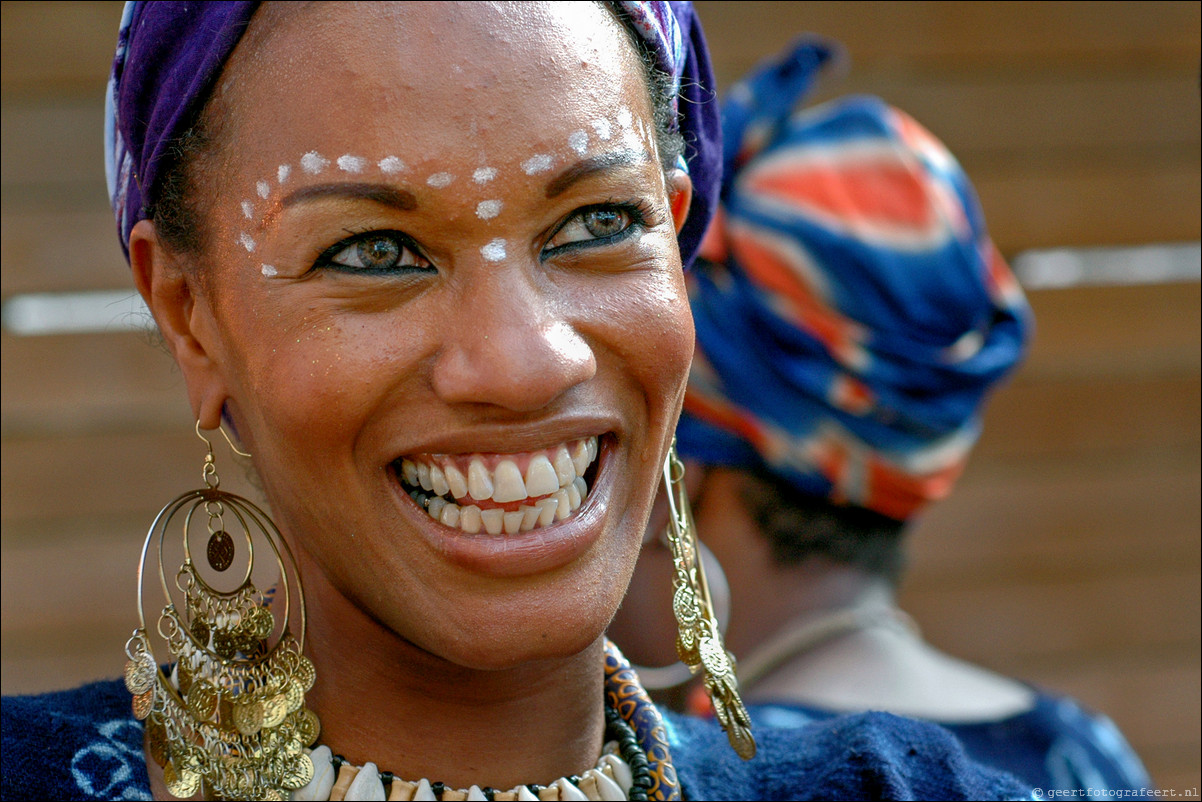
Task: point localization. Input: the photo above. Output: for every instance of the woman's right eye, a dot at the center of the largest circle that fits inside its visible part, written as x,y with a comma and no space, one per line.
374,252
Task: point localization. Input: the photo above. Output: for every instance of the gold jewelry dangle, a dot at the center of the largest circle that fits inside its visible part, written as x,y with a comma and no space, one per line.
229,716
699,641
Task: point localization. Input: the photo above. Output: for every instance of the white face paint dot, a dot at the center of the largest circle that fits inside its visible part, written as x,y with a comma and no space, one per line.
312,162
391,164
494,251
602,128
269,271
248,210
624,117
263,189
578,141
440,180
351,164
487,210
484,174
537,164
283,173
247,242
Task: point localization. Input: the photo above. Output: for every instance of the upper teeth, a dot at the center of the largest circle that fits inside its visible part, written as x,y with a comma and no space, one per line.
546,472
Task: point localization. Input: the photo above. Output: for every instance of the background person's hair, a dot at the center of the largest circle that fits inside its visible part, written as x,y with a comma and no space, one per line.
800,527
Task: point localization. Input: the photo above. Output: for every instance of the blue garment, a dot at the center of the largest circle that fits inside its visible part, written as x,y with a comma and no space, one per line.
85,744
1055,745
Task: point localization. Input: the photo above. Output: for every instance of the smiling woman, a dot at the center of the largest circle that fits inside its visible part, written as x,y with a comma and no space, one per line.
425,260
394,323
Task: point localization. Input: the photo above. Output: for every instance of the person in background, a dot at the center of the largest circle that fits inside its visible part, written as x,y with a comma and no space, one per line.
852,317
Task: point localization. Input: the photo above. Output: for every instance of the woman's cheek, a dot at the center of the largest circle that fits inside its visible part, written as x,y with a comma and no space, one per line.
652,327
309,372
667,327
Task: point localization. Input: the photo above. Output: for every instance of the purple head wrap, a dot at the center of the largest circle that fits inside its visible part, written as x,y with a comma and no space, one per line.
170,55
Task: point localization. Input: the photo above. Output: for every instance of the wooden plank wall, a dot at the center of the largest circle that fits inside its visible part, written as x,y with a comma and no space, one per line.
1069,554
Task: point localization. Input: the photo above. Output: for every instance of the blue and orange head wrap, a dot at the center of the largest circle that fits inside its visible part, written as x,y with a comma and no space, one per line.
170,55
852,313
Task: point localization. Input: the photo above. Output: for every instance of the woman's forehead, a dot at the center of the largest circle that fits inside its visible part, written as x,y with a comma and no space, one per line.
449,111
430,75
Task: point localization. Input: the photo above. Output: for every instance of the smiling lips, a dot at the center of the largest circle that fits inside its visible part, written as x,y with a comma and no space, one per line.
500,493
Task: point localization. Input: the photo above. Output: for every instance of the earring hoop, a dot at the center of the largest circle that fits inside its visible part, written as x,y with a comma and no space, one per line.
699,642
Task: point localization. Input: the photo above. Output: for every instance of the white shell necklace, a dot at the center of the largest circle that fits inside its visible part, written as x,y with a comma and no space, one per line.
336,779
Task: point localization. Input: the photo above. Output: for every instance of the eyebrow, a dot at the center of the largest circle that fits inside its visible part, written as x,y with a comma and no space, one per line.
376,193
594,164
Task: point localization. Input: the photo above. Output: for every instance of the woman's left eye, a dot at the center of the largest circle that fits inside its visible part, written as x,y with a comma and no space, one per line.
596,223
373,252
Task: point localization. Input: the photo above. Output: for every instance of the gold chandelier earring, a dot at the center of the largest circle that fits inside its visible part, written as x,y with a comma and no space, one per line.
228,716
699,640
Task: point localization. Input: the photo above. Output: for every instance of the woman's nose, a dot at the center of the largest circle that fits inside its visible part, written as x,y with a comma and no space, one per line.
510,344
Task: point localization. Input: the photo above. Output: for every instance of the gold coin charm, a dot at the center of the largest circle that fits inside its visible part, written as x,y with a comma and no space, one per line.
272,741
305,674
297,772
260,622
202,699
308,727
181,783
715,659
221,550
139,674
224,644
275,710
742,741
256,651
156,738
200,630
225,716
143,703
294,697
184,676
684,605
248,717
242,638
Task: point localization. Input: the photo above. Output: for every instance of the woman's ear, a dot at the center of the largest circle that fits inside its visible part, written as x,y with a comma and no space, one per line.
184,319
680,196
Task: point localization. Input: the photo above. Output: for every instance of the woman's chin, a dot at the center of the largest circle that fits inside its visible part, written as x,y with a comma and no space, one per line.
512,642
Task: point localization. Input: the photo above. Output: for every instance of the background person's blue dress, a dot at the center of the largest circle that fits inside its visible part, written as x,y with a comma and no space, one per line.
1055,745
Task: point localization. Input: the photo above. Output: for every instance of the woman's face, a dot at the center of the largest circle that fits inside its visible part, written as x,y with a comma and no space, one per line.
443,305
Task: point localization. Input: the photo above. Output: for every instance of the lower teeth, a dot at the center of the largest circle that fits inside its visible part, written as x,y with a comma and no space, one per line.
472,519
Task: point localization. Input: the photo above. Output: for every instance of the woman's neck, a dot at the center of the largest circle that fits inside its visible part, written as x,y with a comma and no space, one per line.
382,699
